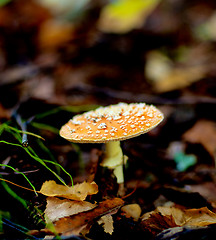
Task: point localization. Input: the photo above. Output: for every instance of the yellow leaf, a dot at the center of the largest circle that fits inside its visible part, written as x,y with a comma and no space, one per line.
107,222
77,192
132,210
199,217
121,16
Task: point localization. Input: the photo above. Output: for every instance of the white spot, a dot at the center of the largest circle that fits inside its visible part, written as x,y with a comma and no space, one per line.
150,115
109,118
102,126
139,114
148,124
76,122
116,117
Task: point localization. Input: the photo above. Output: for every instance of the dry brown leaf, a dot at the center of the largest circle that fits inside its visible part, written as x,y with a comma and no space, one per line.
76,223
155,222
203,132
57,208
176,213
107,222
132,210
77,192
187,217
199,217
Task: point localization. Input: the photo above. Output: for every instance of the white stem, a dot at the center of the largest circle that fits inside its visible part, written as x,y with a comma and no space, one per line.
114,159
118,172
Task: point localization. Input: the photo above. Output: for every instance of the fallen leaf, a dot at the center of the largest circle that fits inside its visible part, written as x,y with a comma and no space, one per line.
155,222
199,217
179,217
165,76
176,213
57,208
76,223
107,222
132,210
77,192
204,133
122,16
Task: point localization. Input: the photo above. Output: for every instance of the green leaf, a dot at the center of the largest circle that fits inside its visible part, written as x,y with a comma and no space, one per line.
184,161
4,2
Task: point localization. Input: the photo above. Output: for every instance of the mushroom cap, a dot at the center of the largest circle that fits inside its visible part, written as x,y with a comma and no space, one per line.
112,123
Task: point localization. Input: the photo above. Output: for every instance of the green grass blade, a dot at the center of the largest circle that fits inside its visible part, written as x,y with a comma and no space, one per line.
25,132
13,194
4,165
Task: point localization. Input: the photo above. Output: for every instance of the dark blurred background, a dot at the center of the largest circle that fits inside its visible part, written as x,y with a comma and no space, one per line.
60,58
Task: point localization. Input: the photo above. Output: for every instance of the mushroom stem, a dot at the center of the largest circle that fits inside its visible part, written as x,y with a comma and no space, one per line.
114,159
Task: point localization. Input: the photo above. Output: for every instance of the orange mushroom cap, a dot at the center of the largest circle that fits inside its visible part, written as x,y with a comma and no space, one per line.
112,123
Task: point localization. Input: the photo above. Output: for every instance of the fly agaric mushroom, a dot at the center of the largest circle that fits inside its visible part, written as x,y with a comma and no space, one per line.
110,125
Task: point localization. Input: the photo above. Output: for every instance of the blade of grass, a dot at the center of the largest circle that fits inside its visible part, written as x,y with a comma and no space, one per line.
41,161
48,152
3,214
25,132
13,194
43,126
32,154
4,165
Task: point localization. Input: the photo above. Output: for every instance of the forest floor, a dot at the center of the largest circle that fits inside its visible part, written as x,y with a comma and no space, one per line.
51,70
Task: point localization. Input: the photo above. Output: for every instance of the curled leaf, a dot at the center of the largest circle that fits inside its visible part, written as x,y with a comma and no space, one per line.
77,192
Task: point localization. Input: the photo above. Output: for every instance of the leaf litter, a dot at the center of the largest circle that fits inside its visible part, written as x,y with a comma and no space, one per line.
145,57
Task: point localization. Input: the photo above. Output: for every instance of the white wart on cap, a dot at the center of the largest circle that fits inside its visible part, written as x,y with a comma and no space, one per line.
112,123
